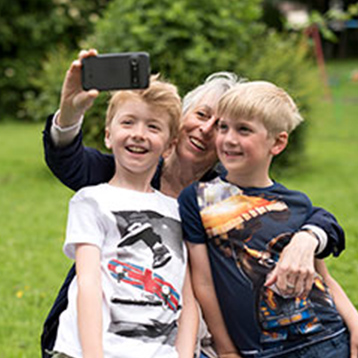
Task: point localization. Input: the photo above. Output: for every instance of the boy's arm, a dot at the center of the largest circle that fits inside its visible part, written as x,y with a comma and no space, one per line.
188,321
294,273
205,293
89,300
344,306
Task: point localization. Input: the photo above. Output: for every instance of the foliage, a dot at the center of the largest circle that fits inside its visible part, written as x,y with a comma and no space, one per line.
28,30
286,60
187,41
223,40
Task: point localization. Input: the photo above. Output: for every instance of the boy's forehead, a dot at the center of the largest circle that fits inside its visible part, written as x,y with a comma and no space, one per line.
229,117
137,106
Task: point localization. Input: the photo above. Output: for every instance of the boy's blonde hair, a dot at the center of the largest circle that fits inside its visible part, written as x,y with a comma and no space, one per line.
263,101
160,94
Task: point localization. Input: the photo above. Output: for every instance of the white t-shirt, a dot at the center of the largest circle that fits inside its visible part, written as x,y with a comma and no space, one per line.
143,262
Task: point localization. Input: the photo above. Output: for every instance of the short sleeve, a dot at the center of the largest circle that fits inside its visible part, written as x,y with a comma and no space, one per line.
193,229
84,224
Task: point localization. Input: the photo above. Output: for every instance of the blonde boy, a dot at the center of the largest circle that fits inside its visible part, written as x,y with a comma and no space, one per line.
131,286
236,227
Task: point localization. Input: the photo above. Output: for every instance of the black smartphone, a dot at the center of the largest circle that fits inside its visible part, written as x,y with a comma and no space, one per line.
114,71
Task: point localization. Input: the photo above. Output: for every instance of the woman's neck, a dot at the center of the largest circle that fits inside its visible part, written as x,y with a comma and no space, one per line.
178,174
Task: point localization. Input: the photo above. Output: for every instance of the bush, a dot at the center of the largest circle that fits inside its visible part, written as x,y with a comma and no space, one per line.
188,40
30,29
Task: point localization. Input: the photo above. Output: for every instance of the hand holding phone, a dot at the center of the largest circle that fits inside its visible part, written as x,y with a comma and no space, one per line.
127,70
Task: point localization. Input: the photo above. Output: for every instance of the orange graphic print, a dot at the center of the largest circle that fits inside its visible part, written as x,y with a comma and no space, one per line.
234,211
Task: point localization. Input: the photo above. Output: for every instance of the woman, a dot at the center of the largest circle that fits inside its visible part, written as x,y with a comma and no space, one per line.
194,158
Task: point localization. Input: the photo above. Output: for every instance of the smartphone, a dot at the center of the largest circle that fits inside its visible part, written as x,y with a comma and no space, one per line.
114,71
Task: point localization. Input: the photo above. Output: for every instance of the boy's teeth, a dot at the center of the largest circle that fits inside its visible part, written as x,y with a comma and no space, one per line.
136,149
197,143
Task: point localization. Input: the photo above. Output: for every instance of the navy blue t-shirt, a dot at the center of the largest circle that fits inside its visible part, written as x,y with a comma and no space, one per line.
245,230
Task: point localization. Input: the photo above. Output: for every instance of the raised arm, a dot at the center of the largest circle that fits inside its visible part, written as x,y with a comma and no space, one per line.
72,163
320,236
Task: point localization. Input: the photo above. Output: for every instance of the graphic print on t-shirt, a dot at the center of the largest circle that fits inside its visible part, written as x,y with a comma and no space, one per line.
248,229
149,250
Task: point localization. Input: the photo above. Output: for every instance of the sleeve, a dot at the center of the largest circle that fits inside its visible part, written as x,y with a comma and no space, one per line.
335,234
84,224
74,165
193,229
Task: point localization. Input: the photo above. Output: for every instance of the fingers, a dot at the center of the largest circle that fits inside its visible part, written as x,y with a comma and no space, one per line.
84,100
271,278
87,53
307,285
74,100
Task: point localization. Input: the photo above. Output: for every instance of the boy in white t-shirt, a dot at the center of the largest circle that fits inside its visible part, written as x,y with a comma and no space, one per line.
132,295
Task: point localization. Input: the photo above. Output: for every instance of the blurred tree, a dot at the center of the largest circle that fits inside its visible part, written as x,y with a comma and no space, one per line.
187,40
28,30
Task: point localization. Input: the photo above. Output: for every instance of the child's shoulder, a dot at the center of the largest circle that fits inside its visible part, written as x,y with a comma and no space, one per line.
91,192
281,190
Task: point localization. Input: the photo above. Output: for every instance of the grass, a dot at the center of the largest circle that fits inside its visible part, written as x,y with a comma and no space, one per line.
32,222
34,209
329,170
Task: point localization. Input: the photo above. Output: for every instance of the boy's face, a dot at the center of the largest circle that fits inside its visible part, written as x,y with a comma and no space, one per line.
138,135
245,149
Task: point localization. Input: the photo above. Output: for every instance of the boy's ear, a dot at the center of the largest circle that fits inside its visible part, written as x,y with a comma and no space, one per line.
170,147
107,139
280,143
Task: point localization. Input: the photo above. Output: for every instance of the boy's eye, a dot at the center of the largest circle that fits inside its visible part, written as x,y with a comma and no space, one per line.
222,127
127,121
244,129
154,127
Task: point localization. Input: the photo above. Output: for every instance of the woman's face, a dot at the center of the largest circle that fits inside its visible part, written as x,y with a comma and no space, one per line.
196,140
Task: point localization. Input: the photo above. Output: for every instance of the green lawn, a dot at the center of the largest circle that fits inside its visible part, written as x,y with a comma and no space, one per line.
32,222
34,207
329,170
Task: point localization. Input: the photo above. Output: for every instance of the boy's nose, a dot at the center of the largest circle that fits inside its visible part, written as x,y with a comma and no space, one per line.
231,138
138,131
